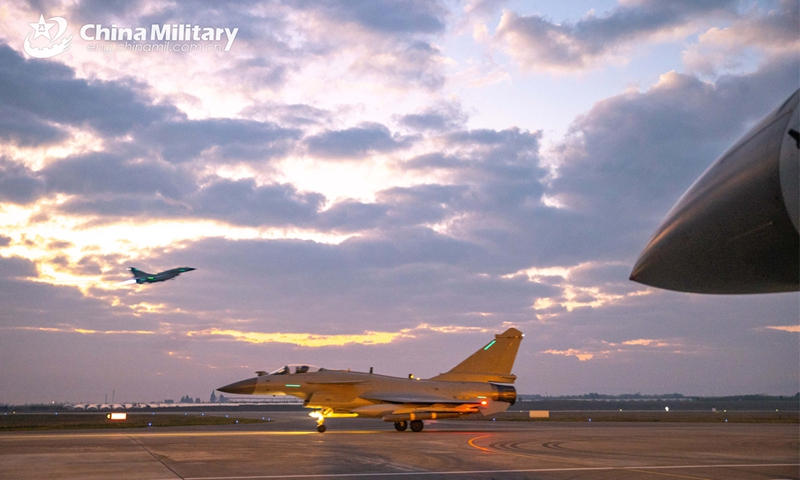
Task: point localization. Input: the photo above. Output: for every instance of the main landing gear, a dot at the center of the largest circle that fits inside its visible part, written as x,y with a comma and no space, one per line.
416,425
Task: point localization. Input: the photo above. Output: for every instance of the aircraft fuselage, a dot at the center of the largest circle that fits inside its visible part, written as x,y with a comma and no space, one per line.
144,277
374,395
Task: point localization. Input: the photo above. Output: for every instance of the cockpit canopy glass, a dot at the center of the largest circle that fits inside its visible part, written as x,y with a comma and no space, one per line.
294,369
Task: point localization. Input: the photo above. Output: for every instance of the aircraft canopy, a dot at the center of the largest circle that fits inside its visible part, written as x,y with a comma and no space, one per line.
294,369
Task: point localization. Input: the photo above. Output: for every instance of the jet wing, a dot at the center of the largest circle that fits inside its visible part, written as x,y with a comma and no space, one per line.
416,399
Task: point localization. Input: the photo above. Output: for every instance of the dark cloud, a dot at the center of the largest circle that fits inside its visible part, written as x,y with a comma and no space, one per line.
628,160
169,194
22,128
16,267
355,142
121,205
103,173
422,204
43,93
244,202
231,140
351,216
539,43
378,283
18,184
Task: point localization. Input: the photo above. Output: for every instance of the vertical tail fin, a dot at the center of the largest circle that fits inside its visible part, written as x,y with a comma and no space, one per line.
138,273
492,363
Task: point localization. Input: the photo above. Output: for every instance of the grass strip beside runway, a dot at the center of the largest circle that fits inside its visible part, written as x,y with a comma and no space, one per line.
21,422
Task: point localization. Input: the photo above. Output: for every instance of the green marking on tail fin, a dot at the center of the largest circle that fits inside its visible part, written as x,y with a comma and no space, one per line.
492,363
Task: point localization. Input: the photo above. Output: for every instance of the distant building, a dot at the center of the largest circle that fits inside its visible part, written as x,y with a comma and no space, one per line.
213,397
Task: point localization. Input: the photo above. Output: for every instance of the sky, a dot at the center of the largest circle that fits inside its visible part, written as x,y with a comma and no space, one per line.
383,183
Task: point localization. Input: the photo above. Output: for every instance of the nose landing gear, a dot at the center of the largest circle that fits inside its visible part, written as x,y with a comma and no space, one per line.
319,415
400,426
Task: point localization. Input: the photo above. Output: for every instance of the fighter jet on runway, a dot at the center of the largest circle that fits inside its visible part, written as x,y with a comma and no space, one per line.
474,385
141,277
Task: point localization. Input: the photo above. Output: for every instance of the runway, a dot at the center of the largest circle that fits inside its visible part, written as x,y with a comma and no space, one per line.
289,447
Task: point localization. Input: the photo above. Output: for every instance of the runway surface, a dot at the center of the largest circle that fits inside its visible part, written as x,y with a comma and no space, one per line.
289,447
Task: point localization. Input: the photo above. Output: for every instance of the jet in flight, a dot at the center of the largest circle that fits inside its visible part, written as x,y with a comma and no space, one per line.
141,277
479,384
736,230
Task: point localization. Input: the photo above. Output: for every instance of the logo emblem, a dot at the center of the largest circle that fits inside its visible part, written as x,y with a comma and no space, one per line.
55,44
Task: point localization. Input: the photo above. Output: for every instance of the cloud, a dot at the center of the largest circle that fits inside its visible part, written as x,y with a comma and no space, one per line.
627,160
84,331
23,128
418,63
245,203
293,115
42,93
579,354
104,173
540,44
771,33
356,142
17,268
440,118
222,140
18,184
352,216
395,17
300,339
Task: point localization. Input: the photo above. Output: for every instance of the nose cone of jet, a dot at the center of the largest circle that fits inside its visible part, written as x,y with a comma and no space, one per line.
243,387
733,232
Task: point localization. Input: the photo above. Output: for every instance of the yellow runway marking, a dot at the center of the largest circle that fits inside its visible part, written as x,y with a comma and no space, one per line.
15,437
471,443
590,465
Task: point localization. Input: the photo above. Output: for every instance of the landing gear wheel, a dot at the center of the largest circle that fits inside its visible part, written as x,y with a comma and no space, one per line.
321,428
400,426
417,425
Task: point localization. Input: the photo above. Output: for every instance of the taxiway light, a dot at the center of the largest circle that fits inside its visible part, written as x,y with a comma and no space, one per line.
117,416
